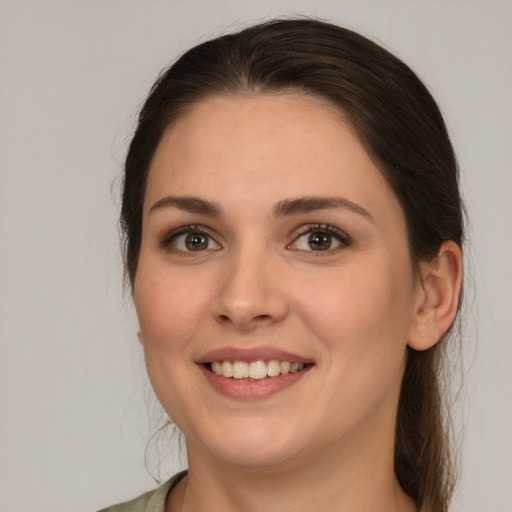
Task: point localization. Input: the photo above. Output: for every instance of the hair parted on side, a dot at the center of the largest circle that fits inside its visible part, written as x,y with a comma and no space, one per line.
401,127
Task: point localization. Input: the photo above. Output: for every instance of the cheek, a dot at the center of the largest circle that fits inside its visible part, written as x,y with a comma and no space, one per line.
359,319
364,311
169,309
169,306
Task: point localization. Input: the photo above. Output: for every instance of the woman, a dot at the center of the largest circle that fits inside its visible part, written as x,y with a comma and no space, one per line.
293,230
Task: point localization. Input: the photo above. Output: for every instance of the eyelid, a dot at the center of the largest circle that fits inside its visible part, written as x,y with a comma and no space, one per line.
166,241
344,239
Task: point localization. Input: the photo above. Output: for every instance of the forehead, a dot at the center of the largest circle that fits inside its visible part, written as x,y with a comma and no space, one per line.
265,147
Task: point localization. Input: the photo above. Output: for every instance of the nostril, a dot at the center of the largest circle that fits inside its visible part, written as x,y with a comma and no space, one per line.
262,317
257,318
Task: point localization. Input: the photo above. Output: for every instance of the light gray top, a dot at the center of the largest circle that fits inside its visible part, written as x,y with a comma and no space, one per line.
152,501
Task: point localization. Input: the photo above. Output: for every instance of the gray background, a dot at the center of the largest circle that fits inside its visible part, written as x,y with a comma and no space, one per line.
73,414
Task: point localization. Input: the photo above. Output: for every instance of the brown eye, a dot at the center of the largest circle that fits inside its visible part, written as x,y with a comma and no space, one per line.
189,239
196,242
321,237
319,241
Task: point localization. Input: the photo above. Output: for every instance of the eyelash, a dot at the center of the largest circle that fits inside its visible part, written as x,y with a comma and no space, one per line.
327,229
344,240
169,238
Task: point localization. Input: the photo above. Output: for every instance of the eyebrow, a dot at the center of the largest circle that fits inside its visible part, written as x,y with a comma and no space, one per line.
284,208
188,204
311,204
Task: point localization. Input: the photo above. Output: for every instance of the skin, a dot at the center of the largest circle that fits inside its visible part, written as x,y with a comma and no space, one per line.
326,442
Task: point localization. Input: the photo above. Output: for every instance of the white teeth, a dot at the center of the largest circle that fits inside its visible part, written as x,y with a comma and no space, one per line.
273,368
296,367
227,369
217,367
256,370
240,370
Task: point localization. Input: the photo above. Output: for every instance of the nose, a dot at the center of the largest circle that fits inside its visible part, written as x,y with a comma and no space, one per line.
251,292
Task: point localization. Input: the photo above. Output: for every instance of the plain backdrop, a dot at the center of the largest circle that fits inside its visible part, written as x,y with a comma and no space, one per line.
73,392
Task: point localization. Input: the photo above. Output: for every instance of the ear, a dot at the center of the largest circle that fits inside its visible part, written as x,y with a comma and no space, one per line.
438,297
139,335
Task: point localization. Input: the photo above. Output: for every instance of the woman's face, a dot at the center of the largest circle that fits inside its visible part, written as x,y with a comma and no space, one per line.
270,235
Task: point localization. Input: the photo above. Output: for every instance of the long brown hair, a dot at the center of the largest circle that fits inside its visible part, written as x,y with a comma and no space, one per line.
400,126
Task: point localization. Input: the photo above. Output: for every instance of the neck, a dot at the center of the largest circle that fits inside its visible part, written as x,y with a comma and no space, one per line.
360,478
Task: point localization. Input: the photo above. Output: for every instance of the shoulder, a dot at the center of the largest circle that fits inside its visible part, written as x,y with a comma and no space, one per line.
152,501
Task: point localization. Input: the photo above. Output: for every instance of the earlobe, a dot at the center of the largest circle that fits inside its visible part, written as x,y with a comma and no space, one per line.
438,298
139,336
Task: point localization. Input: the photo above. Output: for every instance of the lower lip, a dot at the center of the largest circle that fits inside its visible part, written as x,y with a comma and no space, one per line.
252,389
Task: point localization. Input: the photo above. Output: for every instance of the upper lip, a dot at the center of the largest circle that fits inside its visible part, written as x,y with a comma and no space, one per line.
250,354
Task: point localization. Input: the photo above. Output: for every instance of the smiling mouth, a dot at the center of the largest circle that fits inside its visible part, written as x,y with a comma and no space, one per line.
254,370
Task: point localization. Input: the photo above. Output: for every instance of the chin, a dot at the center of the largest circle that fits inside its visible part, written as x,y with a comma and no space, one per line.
254,457
253,447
